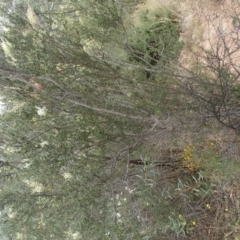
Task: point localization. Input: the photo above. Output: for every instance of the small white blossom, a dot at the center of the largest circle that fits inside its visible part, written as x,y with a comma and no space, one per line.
55,24
67,175
41,111
27,165
19,236
7,48
33,18
76,235
119,220
11,214
5,29
143,232
118,215
44,143
73,235
11,149
91,47
129,189
36,186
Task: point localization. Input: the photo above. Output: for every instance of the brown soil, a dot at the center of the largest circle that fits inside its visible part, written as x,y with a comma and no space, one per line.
211,28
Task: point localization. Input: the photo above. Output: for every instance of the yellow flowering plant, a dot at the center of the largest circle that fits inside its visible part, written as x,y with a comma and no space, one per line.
188,158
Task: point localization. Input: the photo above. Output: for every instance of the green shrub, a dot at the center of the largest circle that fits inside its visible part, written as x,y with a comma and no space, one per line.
154,40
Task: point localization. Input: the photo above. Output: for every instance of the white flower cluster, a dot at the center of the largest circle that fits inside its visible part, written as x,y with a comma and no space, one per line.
44,143
33,18
67,175
11,214
119,202
73,235
20,236
118,216
36,187
130,190
92,47
41,111
27,163
7,48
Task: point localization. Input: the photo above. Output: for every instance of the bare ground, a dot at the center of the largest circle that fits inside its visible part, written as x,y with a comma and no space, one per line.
212,27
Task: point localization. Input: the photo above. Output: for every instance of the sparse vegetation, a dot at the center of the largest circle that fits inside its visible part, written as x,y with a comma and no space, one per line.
107,134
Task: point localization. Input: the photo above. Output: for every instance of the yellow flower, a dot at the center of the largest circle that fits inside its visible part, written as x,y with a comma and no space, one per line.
194,223
189,158
208,206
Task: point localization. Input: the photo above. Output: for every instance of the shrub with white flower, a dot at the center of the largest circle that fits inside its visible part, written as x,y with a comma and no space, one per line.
36,186
33,18
91,47
27,163
129,190
41,111
67,175
118,216
11,214
73,235
7,48
44,143
20,236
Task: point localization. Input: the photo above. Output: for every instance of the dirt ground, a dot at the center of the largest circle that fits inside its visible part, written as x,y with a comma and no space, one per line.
212,27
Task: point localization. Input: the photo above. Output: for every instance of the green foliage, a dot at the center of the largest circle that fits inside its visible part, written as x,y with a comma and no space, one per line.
178,226
61,141
82,131
154,40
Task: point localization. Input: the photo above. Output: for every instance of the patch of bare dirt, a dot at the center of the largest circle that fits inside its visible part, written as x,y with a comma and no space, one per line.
212,28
